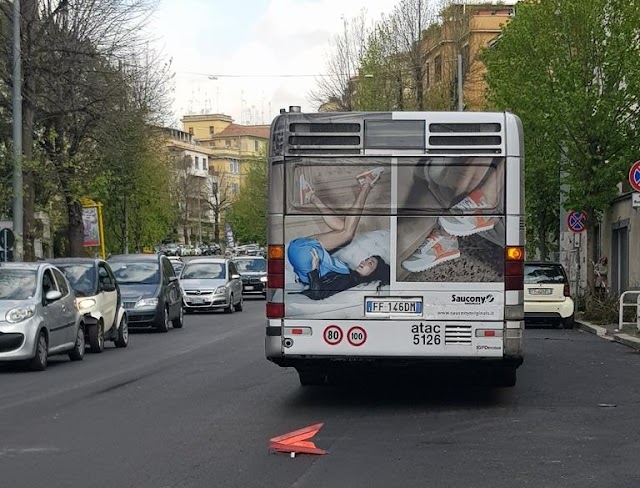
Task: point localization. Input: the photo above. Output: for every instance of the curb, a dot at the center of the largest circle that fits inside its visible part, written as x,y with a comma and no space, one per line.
594,329
624,339
627,340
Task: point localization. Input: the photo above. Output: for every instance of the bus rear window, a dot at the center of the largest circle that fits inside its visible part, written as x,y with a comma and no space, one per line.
394,134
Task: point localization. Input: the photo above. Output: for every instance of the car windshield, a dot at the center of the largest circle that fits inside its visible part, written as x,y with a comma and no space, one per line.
547,274
82,278
203,271
17,284
251,265
142,273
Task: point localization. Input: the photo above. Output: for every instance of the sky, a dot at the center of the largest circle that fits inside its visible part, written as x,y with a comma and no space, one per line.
241,42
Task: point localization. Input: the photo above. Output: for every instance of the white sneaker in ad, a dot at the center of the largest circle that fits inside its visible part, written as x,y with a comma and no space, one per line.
306,191
370,177
438,248
467,225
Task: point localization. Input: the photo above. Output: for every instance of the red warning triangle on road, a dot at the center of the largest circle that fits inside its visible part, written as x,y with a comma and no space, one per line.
298,441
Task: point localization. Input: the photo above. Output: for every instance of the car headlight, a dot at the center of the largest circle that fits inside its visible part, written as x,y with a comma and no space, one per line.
86,303
263,279
220,290
19,314
147,303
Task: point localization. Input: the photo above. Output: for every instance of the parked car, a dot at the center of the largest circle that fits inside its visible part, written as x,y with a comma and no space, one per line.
98,299
213,249
150,290
210,284
38,315
177,263
169,250
547,294
253,273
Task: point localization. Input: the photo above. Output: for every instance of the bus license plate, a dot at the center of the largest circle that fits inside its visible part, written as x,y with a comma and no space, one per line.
395,306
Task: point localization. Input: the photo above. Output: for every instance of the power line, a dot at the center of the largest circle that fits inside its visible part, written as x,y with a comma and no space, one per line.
256,75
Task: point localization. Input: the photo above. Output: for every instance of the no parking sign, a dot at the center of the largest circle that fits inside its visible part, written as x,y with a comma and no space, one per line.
576,221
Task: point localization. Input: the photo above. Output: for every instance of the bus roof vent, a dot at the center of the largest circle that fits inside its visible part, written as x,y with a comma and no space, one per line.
465,138
325,138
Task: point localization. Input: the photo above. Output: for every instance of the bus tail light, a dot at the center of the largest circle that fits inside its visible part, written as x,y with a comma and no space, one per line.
275,281
514,268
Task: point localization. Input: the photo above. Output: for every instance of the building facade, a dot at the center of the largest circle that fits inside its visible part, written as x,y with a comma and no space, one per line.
195,186
466,29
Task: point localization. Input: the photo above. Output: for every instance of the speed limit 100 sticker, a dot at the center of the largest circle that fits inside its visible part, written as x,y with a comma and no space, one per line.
332,335
357,336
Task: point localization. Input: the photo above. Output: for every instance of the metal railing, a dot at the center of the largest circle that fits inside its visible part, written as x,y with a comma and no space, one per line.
621,322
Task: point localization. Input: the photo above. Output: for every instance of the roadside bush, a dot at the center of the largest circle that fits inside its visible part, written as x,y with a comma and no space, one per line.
603,309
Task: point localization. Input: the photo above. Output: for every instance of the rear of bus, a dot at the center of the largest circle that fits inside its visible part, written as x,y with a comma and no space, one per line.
441,225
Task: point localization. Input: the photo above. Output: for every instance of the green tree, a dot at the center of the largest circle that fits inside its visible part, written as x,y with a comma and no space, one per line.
248,214
571,70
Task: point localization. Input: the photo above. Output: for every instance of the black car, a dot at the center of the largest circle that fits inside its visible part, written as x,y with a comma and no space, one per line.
253,273
151,294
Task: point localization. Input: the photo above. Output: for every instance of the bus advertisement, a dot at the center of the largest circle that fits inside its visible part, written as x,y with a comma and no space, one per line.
395,236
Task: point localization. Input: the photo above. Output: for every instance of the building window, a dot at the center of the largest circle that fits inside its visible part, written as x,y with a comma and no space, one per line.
190,131
205,164
437,67
234,188
427,75
197,162
234,167
212,130
256,146
227,143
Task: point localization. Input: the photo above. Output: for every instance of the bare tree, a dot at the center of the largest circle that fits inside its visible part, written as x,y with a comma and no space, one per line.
336,86
220,199
73,52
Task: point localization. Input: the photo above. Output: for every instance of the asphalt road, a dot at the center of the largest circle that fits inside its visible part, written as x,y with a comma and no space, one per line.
196,408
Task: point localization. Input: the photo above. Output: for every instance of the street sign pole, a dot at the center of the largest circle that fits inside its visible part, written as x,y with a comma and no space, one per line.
18,190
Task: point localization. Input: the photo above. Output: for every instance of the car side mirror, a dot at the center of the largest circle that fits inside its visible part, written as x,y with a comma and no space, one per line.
52,296
108,287
235,276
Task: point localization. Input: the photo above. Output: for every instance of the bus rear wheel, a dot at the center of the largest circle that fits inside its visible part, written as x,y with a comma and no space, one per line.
503,376
312,377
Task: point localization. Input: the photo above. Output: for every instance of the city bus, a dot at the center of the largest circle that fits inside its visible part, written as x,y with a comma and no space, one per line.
396,237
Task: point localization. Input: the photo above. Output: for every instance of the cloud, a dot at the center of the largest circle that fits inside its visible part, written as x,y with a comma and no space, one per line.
266,39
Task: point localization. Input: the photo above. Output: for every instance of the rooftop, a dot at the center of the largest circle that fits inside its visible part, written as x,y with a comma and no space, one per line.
236,130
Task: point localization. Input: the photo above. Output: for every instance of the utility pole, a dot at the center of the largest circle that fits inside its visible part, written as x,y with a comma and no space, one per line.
18,209
459,91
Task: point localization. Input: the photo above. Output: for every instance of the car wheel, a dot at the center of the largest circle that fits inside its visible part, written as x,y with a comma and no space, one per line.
240,304
123,332
231,307
77,353
96,337
164,325
568,322
39,361
179,322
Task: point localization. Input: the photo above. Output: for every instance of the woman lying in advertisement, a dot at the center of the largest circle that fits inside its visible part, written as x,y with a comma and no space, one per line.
324,274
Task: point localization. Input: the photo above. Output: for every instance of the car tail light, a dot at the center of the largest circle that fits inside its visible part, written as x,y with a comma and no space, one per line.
514,268
275,281
567,289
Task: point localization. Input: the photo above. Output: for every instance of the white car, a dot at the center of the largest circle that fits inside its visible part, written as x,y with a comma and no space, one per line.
547,294
210,284
98,301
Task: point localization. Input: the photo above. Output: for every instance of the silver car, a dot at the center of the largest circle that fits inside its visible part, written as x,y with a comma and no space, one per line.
38,315
211,283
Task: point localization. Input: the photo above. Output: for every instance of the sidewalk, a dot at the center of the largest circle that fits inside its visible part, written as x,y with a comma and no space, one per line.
629,336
